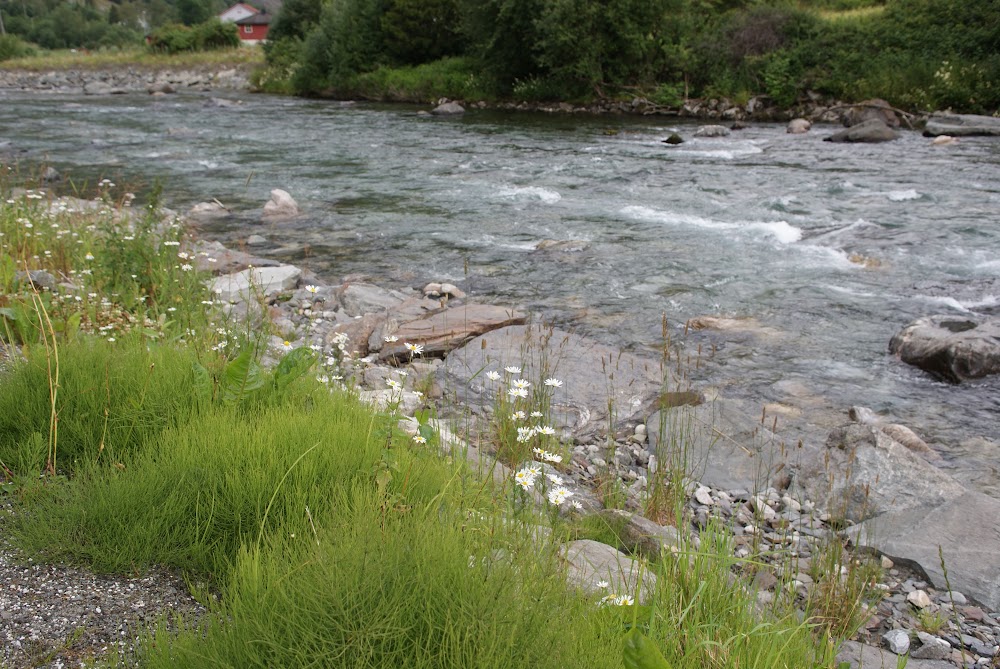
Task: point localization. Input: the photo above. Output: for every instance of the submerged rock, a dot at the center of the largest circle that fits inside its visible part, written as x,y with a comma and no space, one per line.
870,132
448,109
798,126
712,131
961,125
281,205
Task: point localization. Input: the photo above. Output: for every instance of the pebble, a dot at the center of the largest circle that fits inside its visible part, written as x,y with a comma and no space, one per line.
898,641
919,599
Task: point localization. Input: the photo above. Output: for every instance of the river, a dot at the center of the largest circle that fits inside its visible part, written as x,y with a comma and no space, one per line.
820,252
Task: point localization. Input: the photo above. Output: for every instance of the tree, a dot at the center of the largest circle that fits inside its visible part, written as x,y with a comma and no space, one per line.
420,31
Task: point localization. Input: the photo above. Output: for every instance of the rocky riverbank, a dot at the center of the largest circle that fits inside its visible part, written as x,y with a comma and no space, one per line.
133,79
783,502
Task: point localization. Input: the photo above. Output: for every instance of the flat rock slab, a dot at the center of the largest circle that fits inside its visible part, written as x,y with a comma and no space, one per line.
967,530
448,329
359,299
246,285
217,259
864,473
720,443
961,125
953,348
862,656
590,563
594,376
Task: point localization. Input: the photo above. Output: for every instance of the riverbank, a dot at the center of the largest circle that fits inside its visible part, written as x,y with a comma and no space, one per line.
362,328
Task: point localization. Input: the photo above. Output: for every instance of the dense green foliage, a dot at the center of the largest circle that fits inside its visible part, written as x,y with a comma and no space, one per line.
915,53
212,34
62,24
12,46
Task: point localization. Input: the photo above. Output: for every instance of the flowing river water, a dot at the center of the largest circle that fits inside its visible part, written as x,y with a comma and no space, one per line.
819,252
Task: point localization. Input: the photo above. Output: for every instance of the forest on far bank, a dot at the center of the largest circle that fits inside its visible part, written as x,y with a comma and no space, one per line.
917,54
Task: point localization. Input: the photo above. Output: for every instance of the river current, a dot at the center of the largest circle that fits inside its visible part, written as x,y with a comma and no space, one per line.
819,252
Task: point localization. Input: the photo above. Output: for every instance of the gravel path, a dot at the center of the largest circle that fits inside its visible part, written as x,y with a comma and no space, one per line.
55,616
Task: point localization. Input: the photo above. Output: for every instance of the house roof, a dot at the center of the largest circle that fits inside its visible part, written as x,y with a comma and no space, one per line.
261,19
243,5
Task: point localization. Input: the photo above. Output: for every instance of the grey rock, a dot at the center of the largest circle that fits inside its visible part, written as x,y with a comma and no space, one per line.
246,285
720,443
964,526
51,175
281,205
871,131
38,278
898,641
931,648
562,245
961,125
674,138
594,375
712,131
864,473
798,126
364,298
448,109
870,110
256,240
640,535
205,210
590,562
919,599
861,656
950,347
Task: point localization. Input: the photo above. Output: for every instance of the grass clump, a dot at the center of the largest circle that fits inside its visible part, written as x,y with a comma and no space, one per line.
132,57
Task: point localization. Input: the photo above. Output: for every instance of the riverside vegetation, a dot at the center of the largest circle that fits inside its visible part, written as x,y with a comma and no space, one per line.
140,427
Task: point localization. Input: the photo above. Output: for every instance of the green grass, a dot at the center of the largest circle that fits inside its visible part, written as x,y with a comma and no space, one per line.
141,57
322,537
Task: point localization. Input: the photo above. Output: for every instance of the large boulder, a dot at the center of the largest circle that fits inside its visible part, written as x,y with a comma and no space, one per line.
281,205
960,125
719,443
447,329
875,109
601,384
961,532
359,299
870,131
245,286
864,473
954,348
600,569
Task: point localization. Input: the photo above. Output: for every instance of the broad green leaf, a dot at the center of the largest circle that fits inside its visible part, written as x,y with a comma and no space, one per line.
293,365
242,377
202,383
641,653
422,416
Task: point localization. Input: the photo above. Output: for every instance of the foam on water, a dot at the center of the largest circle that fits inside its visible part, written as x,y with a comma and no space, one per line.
781,231
903,195
545,195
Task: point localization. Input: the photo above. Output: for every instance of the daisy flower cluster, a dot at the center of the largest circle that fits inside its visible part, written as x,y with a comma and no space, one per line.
613,599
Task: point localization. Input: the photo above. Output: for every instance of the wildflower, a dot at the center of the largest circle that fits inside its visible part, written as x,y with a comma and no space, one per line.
324,379
512,370
394,384
183,255
546,430
576,505
517,415
525,478
525,434
419,439
520,383
187,268
111,339
286,345
171,243
493,376
602,585
518,392
558,496
547,457
554,479
624,600
415,349
391,339
89,256
312,289
553,383
536,414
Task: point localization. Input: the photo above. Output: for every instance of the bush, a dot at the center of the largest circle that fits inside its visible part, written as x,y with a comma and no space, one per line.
12,46
208,36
